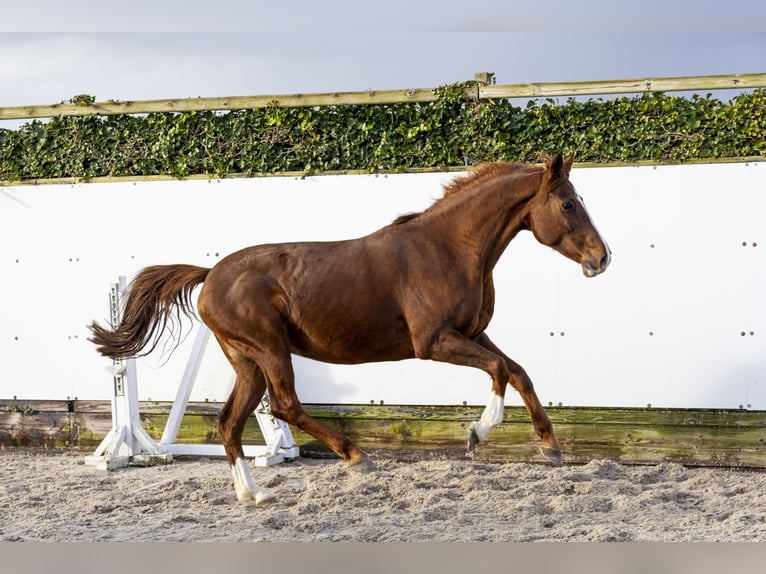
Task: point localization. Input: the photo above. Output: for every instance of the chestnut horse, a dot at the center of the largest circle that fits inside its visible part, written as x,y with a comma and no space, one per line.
419,287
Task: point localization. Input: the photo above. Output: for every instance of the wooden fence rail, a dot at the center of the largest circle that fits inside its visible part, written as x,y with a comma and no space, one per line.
480,90
695,437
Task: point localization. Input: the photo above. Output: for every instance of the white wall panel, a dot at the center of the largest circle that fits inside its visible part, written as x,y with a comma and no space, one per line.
663,326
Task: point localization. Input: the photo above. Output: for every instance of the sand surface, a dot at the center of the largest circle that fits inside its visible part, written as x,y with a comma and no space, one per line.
56,497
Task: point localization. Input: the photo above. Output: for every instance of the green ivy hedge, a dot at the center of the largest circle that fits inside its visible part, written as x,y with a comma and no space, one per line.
449,132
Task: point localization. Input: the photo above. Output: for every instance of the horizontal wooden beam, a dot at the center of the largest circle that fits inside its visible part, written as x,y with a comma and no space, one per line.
483,91
218,104
606,87
699,437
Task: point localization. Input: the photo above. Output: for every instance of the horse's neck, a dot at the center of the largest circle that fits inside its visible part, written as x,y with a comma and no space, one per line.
484,220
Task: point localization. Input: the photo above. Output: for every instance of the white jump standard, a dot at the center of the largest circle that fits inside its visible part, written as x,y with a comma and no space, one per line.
127,443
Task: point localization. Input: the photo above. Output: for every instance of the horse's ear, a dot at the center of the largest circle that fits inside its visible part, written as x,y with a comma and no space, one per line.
558,167
568,164
554,166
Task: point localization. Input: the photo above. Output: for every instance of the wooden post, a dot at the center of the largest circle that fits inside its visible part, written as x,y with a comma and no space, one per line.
484,77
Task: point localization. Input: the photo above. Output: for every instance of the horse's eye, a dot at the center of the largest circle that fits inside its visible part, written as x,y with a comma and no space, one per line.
567,205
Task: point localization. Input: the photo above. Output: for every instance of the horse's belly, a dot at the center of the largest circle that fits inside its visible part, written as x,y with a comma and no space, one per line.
353,346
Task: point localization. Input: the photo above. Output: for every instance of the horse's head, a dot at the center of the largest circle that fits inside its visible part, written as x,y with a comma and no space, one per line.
558,219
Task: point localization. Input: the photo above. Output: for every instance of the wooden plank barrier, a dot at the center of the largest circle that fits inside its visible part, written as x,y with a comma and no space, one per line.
695,437
481,90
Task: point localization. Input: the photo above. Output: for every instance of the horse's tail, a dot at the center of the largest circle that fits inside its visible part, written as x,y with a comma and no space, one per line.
156,295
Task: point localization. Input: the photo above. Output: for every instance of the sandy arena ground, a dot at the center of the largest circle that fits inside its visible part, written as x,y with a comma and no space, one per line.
56,497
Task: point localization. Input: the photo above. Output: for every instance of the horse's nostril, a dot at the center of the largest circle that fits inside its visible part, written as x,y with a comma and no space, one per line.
604,262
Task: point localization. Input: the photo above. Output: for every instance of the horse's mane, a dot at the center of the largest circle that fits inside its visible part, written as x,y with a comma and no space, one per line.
485,172
482,173
405,218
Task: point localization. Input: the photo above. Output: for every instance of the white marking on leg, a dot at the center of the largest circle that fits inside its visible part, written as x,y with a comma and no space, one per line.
246,489
490,418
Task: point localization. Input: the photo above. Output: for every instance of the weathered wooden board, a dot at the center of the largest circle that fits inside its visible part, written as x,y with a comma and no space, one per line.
482,91
628,435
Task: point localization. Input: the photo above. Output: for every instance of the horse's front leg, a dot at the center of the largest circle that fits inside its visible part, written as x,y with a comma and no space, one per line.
493,413
490,418
451,346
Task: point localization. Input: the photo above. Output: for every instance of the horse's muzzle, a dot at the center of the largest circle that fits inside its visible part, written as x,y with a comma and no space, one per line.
591,268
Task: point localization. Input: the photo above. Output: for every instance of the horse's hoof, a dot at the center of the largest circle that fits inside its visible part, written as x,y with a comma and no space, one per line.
264,497
364,465
553,455
473,440
261,498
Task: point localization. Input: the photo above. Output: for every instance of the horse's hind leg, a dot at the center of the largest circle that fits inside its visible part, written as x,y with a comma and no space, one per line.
248,390
286,406
276,363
